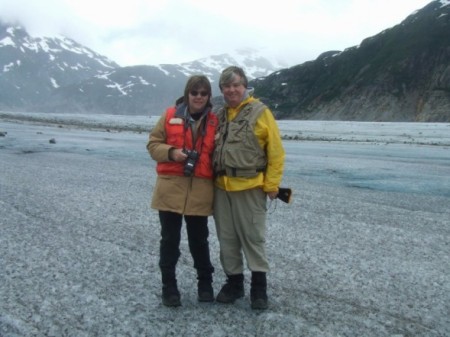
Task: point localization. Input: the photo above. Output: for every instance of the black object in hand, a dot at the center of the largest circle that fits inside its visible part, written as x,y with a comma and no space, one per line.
284,194
191,160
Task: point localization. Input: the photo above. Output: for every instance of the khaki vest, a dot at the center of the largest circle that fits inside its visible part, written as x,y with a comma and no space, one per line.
237,152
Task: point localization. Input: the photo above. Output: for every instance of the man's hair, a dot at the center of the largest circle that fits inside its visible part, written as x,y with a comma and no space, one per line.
229,75
197,82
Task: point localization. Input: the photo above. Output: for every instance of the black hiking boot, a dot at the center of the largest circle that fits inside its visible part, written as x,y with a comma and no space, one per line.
171,296
170,293
258,291
232,289
205,291
204,286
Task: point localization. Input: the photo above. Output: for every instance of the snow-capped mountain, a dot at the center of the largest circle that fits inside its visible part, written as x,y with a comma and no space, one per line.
32,68
250,59
59,74
146,89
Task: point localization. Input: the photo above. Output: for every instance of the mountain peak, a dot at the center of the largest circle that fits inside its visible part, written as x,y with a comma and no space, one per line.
254,63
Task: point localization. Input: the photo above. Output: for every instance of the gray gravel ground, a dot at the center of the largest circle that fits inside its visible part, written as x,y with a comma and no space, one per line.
363,249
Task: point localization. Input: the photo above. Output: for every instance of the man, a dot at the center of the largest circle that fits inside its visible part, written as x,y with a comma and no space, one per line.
248,164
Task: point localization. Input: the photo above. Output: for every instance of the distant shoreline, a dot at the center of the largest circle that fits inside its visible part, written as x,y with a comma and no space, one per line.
429,134
74,120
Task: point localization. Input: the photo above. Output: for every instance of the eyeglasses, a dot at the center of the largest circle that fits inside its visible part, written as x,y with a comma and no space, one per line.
196,93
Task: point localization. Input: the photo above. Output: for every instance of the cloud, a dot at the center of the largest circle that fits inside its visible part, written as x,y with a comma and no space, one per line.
172,31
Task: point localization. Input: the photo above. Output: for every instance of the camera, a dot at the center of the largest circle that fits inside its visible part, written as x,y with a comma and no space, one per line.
191,160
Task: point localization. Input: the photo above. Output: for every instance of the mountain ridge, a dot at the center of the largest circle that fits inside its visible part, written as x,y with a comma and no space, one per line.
97,84
400,74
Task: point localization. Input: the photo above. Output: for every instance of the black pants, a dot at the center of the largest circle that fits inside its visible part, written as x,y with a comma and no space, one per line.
197,233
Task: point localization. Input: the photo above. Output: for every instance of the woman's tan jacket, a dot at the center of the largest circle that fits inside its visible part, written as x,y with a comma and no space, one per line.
179,194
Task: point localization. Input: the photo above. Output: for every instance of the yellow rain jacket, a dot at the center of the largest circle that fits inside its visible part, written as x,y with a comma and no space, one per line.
268,136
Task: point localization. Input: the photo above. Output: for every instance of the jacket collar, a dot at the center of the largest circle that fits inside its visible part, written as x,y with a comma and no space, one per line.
182,111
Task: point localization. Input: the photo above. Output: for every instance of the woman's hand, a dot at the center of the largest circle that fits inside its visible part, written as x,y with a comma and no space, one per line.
177,155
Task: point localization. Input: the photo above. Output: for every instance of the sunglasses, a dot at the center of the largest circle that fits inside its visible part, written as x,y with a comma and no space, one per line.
196,93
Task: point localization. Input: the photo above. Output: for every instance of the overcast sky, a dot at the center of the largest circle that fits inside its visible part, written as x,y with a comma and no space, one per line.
152,32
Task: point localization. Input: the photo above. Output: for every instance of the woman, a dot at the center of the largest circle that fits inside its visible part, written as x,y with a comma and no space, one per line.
182,143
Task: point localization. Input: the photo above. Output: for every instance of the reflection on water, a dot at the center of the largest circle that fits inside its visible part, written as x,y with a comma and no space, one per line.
404,168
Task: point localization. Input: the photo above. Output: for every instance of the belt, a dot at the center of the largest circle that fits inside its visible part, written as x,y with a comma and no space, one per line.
235,172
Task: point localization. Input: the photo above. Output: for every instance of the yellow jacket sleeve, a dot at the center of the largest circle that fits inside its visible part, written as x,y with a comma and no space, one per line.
268,134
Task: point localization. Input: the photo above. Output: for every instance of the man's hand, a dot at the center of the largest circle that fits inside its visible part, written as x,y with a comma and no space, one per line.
272,195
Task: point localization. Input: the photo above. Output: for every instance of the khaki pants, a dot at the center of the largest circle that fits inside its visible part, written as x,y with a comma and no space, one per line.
240,219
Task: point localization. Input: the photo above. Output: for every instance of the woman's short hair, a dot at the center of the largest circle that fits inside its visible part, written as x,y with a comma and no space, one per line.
229,75
197,82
